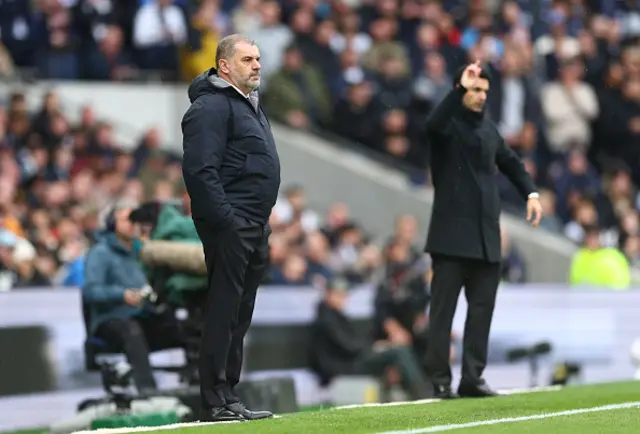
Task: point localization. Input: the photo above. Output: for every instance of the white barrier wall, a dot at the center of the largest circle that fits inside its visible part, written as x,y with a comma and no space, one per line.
594,328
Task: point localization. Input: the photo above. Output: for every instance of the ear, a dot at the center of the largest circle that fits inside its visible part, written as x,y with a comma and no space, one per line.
224,66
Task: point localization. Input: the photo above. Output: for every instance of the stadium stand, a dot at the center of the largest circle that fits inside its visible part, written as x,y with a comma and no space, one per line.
566,96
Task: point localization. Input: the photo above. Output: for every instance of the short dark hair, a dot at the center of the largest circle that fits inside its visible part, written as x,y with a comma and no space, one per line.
227,46
484,73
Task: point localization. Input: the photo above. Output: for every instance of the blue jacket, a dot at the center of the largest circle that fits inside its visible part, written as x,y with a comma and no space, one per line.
110,268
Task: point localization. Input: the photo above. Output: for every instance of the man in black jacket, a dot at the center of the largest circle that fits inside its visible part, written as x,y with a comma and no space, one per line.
336,349
464,233
232,173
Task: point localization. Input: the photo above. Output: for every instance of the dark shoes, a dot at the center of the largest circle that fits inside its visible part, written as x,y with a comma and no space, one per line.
465,390
470,390
443,392
232,412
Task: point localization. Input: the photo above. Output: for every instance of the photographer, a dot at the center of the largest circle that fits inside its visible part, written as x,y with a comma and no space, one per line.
114,292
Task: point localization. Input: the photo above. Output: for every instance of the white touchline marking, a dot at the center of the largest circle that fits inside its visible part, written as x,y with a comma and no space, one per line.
430,401
158,428
438,428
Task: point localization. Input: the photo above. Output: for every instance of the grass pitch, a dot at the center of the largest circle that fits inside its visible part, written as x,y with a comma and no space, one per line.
612,408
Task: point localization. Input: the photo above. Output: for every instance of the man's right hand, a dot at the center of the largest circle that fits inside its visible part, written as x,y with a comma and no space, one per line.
470,74
401,337
132,297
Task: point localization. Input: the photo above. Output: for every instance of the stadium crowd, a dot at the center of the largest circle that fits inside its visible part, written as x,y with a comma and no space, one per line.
565,94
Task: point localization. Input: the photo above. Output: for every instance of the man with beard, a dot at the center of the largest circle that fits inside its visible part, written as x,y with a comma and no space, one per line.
464,233
231,171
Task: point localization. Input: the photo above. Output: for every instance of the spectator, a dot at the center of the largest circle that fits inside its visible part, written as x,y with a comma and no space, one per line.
246,16
513,102
293,207
298,96
338,350
158,30
383,32
109,60
584,216
356,114
594,265
401,301
274,37
58,42
569,105
433,82
8,242
350,36
196,58
551,221
294,271
18,31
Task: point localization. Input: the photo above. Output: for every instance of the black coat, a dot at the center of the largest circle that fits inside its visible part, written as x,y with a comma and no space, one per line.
465,149
334,345
230,164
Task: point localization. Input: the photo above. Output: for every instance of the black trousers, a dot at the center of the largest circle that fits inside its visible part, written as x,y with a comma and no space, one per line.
480,280
137,337
237,259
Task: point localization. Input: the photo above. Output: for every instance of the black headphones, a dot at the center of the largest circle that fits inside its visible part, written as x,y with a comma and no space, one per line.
110,222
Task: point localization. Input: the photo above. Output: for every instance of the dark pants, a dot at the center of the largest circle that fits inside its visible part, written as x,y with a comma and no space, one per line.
237,260
403,358
480,280
137,337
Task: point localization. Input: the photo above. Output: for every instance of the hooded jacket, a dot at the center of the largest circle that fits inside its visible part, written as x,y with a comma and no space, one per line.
230,164
110,269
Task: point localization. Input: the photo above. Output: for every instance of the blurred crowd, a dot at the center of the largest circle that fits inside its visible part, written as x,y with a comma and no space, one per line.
310,249
61,171
59,177
565,94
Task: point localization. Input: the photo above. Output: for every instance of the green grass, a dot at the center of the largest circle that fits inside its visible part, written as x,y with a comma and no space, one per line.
381,419
613,422
373,420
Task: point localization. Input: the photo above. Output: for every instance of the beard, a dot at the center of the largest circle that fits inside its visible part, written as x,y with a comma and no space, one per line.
248,82
253,83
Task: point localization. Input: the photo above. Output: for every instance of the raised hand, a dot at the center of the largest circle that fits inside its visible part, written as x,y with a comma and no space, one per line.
470,74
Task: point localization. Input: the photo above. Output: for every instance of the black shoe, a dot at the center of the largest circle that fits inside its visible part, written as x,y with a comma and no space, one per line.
443,392
219,414
240,410
470,390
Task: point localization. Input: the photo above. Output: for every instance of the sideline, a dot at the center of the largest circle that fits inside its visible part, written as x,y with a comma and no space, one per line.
451,427
430,401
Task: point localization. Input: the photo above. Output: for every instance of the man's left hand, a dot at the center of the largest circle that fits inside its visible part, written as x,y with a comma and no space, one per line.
534,211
